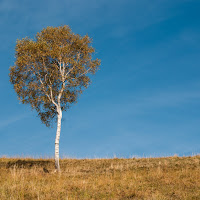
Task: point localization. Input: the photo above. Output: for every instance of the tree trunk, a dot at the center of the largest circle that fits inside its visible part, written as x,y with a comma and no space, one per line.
57,165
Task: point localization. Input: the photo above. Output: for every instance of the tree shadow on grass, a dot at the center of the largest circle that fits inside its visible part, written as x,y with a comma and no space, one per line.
28,163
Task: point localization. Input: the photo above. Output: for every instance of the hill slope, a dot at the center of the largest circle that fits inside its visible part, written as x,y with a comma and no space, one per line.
117,179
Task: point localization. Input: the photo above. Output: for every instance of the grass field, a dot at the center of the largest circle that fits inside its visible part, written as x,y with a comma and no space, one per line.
112,179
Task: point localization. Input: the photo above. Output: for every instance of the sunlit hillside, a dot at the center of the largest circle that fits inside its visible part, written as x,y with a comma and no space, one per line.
112,179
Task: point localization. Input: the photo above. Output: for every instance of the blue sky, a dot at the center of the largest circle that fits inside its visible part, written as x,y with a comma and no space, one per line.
144,101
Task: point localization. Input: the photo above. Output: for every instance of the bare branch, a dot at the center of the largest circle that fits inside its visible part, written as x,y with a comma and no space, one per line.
85,72
50,98
60,65
82,74
69,71
43,87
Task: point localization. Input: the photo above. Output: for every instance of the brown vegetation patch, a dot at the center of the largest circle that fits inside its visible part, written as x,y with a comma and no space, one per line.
27,163
169,178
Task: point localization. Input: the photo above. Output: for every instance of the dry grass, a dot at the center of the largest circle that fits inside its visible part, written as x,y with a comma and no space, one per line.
113,179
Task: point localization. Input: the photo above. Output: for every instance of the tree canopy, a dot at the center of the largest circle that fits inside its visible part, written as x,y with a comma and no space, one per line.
52,70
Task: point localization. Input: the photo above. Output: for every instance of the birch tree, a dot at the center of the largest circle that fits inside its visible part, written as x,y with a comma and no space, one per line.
51,71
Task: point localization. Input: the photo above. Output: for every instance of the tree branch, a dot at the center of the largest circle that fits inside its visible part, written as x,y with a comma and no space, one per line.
43,86
85,72
82,74
69,71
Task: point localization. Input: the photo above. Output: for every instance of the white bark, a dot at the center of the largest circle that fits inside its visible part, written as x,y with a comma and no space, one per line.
63,77
57,165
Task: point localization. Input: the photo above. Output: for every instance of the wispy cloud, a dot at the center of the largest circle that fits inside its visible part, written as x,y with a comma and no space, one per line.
190,37
88,15
6,122
156,100
6,6
148,101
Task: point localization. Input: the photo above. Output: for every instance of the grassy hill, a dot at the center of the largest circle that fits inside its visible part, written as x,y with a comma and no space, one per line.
112,179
